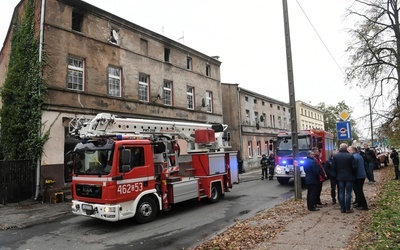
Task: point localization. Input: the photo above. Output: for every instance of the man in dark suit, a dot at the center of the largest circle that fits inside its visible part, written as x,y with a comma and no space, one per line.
344,168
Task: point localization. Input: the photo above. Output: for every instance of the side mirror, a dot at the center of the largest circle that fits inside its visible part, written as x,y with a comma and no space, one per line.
126,157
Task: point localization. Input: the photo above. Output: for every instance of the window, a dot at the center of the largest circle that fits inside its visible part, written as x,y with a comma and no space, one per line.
284,109
75,73
77,20
285,123
167,92
247,116
270,105
263,103
258,148
272,120
167,55
209,103
114,81
189,63
279,122
301,111
250,149
114,37
208,70
256,117
246,98
144,47
144,87
266,147
255,101
265,119
190,97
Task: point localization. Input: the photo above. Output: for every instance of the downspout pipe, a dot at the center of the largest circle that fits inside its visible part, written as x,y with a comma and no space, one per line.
38,165
240,122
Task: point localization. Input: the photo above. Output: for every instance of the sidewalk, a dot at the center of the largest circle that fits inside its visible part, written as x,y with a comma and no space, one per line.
30,212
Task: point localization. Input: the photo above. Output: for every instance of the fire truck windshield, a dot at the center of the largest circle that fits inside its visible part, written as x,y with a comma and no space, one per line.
286,143
93,162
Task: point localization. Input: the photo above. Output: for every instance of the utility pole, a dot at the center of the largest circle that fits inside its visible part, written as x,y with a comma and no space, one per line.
292,99
370,119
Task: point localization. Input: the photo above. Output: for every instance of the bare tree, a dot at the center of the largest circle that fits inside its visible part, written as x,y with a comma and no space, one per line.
375,54
375,47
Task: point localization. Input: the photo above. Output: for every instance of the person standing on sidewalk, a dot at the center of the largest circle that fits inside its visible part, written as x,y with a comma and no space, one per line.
311,169
272,164
371,160
264,165
395,159
322,176
332,179
344,169
358,187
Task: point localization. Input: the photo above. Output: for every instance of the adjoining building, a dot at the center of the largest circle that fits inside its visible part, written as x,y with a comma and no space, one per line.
309,117
253,120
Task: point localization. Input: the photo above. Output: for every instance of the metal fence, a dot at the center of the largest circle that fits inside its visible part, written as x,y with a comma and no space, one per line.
17,180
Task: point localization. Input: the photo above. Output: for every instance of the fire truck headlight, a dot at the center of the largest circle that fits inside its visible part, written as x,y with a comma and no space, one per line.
284,162
278,170
301,162
109,209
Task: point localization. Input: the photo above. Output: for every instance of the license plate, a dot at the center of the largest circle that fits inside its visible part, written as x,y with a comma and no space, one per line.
87,207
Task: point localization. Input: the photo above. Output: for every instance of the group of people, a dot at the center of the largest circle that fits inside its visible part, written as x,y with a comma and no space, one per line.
267,166
347,171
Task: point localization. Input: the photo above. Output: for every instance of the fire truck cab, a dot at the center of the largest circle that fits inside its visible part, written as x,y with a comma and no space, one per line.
126,167
307,139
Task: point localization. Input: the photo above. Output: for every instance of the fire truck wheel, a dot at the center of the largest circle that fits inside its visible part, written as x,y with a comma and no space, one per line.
215,194
146,210
283,180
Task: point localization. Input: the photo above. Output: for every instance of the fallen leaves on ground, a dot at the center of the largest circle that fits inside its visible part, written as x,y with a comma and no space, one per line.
262,227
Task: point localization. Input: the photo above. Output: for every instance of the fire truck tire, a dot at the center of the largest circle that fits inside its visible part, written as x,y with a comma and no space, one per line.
215,194
146,210
283,180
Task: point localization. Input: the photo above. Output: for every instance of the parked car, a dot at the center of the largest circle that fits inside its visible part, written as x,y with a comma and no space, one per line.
383,157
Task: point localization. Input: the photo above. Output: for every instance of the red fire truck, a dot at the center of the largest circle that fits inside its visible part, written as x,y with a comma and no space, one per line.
307,139
127,167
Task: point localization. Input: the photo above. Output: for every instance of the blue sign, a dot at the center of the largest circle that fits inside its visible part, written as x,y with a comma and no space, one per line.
343,130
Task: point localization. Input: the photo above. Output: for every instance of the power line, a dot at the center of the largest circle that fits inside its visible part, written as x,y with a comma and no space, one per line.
326,47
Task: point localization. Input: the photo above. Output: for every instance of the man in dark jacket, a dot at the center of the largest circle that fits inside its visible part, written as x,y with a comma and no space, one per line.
358,187
312,181
370,156
332,179
272,165
344,169
395,159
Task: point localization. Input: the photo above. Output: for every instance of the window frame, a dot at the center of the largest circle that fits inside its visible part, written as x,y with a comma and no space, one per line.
209,101
114,77
208,70
190,97
145,85
167,55
250,149
80,70
168,89
189,63
77,21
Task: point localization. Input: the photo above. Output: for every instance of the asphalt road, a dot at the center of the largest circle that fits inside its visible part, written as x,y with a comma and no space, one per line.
185,226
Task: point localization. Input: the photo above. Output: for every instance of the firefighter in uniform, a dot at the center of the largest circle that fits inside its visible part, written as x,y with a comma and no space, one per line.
271,163
264,165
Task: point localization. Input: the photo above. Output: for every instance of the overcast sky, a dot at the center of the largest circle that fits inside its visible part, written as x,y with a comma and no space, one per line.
248,36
